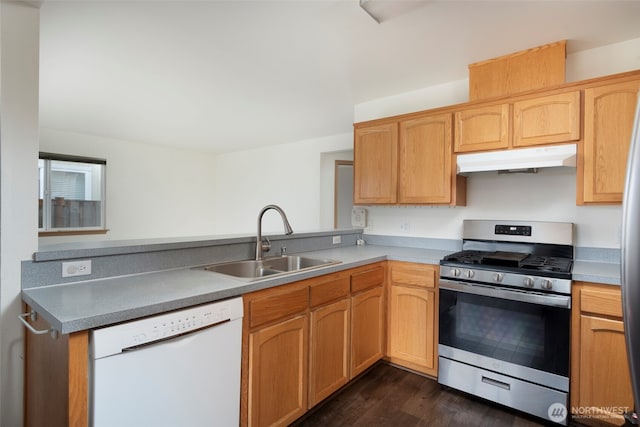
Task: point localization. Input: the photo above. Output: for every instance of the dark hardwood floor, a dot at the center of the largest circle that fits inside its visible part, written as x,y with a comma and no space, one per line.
390,396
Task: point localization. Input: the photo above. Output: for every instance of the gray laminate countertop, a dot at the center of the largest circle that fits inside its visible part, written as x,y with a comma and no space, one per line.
597,272
95,303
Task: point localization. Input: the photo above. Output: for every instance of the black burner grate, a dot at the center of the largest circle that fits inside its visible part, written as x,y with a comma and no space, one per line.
512,260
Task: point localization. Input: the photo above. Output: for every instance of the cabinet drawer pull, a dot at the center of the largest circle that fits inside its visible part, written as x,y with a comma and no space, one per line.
496,383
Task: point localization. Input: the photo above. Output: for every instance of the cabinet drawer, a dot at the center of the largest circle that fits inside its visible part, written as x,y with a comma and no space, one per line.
423,275
607,302
367,279
329,289
278,306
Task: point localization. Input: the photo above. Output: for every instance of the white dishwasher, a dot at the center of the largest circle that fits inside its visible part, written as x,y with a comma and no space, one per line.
175,369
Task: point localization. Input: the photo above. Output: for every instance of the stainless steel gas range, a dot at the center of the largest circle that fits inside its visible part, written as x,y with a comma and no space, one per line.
505,313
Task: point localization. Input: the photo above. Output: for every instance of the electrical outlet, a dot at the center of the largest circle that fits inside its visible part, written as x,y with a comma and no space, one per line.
76,268
337,240
369,226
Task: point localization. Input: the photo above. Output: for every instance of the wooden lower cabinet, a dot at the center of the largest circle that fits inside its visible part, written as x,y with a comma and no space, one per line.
367,329
328,350
600,380
56,379
278,373
305,340
275,351
412,339
367,317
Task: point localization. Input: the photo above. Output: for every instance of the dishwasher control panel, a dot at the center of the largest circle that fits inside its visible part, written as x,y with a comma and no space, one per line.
127,336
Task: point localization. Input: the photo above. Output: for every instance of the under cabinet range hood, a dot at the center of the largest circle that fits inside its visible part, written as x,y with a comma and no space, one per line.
518,159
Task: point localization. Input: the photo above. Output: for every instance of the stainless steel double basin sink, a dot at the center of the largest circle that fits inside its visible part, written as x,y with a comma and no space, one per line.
268,267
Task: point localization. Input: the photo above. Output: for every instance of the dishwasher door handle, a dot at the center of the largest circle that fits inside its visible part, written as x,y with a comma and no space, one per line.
175,337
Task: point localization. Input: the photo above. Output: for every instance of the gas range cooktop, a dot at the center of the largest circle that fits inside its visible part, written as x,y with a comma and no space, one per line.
530,255
541,265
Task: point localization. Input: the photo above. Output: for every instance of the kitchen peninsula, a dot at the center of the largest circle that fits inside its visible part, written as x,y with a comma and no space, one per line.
118,291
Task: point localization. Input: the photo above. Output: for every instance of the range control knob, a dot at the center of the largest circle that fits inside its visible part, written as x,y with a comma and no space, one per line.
546,284
470,273
498,277
528,282
454,272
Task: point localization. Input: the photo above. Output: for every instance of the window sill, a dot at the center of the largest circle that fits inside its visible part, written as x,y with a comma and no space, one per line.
71,232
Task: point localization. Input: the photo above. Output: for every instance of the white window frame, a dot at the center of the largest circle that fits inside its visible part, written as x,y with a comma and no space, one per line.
45,189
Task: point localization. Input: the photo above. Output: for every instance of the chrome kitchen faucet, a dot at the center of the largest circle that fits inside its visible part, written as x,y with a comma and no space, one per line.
266,246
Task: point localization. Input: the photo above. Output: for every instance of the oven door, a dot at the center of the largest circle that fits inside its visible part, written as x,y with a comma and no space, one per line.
521,334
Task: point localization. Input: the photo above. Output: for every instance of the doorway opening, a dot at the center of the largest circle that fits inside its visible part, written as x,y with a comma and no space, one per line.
343,193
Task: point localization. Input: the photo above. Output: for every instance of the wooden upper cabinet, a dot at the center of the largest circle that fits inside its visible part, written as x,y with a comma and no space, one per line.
408,162
608,123
482,128
547,119
533,121
425,160
375,164
531,69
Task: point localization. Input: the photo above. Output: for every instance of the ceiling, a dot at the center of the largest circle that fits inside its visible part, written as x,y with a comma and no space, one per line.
226,76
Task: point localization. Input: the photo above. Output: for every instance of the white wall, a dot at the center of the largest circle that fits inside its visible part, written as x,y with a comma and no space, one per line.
206,194
451,93
549,195
609,59
614,58
288,175
152,191
19,44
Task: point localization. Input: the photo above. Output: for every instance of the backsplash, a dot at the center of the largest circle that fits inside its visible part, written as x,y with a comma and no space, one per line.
143,256
548,195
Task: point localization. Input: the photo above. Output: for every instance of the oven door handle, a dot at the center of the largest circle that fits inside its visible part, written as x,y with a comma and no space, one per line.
514,295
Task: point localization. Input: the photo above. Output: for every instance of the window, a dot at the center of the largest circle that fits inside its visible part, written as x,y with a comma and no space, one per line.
71,194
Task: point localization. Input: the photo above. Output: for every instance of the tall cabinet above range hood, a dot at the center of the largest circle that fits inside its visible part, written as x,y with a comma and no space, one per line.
518,159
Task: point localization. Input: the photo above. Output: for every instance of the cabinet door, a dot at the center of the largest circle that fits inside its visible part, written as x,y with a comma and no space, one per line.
277,392
548,119
484,128
367,329
604,369
608,122
328,350
412,328
375,164
425,160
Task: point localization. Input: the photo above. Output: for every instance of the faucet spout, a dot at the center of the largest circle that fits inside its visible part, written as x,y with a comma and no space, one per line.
265,246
